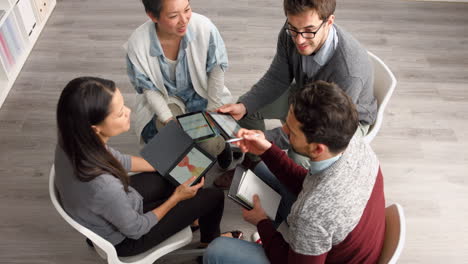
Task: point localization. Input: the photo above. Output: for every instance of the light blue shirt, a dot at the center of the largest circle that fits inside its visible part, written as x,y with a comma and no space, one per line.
182,85
312,64
318,166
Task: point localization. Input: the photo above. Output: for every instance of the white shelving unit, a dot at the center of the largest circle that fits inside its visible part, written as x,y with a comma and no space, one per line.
21,23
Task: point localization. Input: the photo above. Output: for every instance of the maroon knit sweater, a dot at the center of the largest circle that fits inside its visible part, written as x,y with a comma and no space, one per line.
362,245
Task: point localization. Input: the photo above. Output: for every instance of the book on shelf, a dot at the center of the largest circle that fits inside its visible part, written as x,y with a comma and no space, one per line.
11,43
15,35
27,15
5,53
245,184
9,36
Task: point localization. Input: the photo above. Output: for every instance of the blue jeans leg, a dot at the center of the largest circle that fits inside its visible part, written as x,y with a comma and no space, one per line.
234,251
287,197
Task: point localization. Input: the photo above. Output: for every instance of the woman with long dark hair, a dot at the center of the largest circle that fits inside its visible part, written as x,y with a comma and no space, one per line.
136,212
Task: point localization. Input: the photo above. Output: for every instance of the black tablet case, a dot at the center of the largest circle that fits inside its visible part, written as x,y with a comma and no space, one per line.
167,147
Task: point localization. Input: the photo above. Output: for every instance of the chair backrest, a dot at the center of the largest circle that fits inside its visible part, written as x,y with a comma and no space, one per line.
384,84
105,249
395,233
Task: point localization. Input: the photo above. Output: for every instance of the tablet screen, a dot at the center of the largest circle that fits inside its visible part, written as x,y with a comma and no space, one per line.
227,123
193,164
196,126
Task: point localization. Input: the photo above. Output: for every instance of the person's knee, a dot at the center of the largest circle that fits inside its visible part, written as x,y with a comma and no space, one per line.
213,194
230,250
217,251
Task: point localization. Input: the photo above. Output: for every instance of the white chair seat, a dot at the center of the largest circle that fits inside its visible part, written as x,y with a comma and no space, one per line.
395,234
384,85
107,251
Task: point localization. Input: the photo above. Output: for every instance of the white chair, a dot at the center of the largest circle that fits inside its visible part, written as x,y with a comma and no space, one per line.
384,84
395,233
106,250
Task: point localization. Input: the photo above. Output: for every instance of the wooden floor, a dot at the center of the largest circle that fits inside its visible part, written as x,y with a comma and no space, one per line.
422,145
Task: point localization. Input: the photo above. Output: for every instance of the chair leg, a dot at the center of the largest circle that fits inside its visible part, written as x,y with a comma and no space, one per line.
187,252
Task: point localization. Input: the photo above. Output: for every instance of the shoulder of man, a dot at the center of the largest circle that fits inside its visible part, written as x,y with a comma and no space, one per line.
350,55
332,203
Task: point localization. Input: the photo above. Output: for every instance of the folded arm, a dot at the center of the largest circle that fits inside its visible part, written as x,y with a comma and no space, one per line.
143,85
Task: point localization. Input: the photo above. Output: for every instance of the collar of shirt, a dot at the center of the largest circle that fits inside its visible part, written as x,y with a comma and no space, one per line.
318,166
322,56
156,48
313,63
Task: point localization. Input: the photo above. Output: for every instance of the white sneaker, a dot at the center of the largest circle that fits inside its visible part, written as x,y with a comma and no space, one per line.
256,238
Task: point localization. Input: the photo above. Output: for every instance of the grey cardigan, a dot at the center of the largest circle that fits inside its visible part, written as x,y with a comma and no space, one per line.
349,67
101,204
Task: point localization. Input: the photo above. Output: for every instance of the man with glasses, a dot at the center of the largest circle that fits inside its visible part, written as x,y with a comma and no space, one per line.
310,47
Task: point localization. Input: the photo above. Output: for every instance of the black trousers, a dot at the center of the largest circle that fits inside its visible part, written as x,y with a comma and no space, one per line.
207,206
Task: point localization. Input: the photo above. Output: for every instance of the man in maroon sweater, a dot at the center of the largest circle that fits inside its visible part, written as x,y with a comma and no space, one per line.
339,213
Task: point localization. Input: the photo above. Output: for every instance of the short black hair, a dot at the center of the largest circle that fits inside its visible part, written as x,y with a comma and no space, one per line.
327,115
153,6
324,8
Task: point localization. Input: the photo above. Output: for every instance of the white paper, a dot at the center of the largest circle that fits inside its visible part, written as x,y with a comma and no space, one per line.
251,184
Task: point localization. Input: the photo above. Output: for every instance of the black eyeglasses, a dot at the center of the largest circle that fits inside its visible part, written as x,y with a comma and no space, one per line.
305,34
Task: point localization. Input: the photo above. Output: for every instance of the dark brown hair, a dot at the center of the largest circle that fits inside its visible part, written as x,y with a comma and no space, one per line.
324,8
85,102
327,115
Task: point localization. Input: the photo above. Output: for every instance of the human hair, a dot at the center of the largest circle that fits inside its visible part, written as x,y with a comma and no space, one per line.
324,8
326,114
153,7
84,102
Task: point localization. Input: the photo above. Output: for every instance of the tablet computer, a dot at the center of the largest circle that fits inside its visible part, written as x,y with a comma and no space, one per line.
196,162
196,126
226,123
176,156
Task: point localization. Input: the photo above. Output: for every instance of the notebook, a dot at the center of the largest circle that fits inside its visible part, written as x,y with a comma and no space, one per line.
245,184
